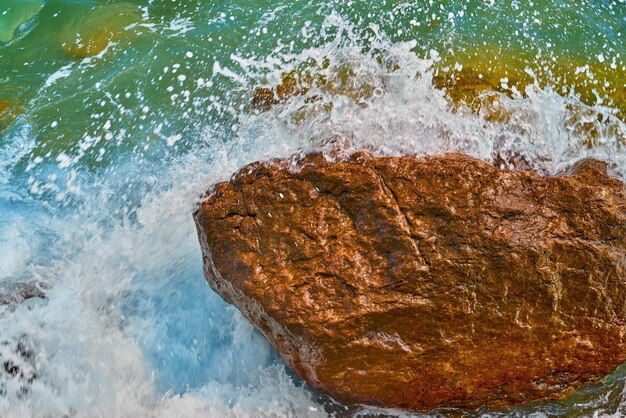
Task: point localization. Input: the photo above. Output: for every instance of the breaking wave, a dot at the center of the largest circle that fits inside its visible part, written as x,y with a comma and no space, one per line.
104,310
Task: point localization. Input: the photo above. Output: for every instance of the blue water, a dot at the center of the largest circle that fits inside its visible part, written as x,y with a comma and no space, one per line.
106,146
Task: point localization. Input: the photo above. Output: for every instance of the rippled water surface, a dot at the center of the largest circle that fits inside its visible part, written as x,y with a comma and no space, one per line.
116,115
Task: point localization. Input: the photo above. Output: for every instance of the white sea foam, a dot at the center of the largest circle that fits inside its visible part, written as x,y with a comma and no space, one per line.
61,73
129,326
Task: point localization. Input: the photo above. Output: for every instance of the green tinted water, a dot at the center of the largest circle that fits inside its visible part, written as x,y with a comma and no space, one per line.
110,108
53,83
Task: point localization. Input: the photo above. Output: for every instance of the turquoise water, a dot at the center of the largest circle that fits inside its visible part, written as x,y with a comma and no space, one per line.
115,116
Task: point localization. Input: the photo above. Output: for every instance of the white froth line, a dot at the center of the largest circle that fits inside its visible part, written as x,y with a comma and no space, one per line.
62,72
227,72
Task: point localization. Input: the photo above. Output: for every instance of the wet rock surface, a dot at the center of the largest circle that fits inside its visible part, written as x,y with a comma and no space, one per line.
18,371
16,293
17,358
418,283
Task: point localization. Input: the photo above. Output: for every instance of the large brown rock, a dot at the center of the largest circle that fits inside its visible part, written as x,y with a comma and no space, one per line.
423,282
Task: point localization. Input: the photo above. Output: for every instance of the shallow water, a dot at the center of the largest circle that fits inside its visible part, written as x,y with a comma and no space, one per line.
116,115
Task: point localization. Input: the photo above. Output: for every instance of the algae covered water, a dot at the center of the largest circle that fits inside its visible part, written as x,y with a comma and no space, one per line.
116,115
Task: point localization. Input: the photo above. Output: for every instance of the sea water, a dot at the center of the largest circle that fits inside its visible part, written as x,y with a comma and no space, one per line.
115,116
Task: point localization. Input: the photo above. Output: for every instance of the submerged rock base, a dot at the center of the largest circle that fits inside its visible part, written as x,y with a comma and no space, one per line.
418,283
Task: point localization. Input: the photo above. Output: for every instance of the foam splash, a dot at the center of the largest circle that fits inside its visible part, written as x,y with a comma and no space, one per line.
403,114
129,327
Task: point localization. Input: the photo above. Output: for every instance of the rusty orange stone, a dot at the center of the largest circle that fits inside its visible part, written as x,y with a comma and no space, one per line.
417,283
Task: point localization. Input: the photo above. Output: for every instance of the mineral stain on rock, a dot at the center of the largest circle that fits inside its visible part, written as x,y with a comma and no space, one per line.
424,282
